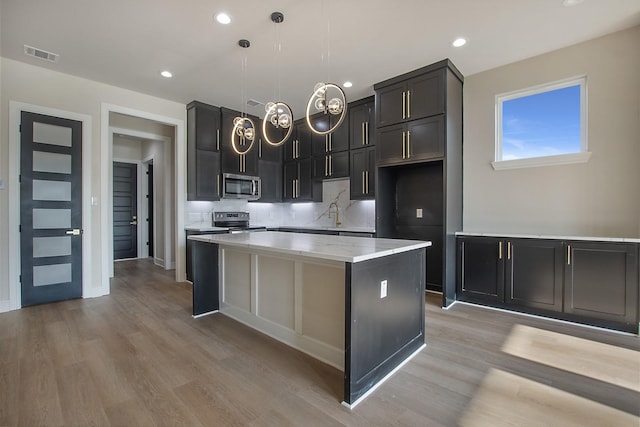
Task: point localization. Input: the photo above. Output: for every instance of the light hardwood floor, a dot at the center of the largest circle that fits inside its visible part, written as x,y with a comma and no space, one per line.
137,358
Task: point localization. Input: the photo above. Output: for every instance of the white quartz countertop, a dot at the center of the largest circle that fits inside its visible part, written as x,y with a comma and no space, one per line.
551,237
371,230
337,248
204,226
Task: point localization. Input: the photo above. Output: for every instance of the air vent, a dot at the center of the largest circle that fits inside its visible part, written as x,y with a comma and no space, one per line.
252,102
40,54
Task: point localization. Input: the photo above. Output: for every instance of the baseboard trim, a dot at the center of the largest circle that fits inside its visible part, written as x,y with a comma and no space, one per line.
5,305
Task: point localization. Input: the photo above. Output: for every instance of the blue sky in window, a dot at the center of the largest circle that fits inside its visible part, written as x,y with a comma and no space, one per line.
544,124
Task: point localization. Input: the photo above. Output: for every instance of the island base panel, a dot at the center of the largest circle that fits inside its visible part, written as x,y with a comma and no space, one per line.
382,331
205,278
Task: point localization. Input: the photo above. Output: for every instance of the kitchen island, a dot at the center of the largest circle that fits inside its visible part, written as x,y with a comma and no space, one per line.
355,303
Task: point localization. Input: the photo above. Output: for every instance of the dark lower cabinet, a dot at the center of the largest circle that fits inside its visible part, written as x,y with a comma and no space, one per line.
583,281
601,281
481,269
534,273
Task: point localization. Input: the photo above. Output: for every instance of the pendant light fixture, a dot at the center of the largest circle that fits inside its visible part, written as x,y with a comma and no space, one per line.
327,98
278,114
243,127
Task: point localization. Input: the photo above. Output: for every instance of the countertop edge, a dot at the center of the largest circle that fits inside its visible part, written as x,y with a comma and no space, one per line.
550,237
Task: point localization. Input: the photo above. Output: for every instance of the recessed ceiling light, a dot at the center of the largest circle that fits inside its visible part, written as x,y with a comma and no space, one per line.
166,74
223,18
569,3
459,42
347,84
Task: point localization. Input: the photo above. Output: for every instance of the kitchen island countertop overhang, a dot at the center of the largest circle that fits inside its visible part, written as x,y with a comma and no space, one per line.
356,303
337,248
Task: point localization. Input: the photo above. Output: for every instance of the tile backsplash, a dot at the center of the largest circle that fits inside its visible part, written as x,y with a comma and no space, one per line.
352,213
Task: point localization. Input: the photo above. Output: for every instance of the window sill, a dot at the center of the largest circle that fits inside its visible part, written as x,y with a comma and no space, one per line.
563,159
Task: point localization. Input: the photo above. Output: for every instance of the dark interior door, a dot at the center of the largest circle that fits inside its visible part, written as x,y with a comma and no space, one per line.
125,208
50,208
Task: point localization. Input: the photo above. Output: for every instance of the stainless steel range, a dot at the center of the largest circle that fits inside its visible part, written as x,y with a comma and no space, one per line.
237,222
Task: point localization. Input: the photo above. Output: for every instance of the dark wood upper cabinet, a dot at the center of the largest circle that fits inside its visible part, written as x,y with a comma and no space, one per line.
362,185
361,124
415,98
203,156
298,146
232,162
338,140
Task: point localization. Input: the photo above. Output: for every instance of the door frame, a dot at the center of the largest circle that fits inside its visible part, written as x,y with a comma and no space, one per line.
180,188
150,160
15,109
143,251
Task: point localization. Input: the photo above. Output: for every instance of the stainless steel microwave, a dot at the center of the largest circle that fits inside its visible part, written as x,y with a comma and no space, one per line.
240,187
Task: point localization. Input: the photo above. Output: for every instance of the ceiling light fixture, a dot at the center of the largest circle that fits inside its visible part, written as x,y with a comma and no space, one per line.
278,114
347,84
327,98
459,42
166,74
243,127
569,3
223,18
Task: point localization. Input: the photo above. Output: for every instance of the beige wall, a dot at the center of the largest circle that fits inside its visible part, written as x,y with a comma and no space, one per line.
599,198
42,87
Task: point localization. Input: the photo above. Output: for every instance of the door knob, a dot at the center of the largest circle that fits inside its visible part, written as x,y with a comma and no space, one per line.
74,232
134,223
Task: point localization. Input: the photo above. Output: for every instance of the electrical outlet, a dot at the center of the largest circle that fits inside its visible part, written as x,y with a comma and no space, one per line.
383,289
419,213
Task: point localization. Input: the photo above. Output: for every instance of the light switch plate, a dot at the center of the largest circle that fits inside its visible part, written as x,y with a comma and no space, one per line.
419,213
383,289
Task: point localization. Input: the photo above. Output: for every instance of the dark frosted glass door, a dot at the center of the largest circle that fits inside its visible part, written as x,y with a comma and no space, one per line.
50,208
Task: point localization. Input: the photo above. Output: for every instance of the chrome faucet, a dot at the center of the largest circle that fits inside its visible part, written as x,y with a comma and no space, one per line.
334,204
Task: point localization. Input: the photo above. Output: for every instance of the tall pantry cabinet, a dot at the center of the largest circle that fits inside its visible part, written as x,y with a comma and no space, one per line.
418,118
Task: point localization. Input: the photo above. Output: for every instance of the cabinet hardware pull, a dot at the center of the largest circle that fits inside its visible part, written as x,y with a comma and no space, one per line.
326,143
404,105
408,104
362,182
408,144
403,142
326,165
218,183
568,254
500,250
365,136
293,189
367,181
218,139
508,250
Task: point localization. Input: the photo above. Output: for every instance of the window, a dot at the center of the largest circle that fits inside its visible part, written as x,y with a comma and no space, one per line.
543,125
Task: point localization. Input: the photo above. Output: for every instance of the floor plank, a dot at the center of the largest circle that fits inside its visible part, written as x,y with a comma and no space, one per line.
137,357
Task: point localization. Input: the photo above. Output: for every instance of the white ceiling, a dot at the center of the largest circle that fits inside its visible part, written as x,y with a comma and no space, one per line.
127,43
